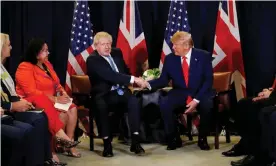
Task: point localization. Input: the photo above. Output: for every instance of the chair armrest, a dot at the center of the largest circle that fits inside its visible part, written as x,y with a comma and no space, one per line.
81,98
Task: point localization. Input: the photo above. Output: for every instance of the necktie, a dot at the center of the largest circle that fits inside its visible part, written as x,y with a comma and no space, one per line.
112,64
185,69
117,87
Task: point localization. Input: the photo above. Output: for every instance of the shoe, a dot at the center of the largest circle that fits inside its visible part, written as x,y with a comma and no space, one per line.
237,150
203,144
174,141
73,154
246,161
107,152
65,143
136,146
137,149
52,162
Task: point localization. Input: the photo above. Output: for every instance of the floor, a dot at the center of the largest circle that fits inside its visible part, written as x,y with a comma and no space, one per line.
188,155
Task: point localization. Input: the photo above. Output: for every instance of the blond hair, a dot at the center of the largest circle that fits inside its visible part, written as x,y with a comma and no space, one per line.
3,38
182,36
100,35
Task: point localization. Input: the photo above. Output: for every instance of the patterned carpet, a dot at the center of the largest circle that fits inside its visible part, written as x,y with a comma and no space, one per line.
188,155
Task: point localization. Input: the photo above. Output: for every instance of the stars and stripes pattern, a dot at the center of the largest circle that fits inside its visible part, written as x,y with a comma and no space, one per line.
177,21
80,42
131,39
227,52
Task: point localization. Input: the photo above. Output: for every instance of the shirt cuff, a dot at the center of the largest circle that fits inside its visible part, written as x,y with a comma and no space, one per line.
132,79
148,86
10,106
196,100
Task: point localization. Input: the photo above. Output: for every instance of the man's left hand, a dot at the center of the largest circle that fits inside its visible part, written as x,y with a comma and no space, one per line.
191,107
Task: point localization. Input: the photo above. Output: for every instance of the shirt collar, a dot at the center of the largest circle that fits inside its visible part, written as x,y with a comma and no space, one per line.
188,55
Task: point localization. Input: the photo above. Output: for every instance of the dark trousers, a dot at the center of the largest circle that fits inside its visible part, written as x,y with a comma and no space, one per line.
176,99
268,139
112,102
40,149
16,138
248,123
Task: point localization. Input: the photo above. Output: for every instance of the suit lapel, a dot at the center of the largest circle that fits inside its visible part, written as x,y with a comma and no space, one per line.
193,66
117,62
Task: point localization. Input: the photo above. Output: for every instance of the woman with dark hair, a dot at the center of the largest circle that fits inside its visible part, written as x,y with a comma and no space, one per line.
12,103
36,76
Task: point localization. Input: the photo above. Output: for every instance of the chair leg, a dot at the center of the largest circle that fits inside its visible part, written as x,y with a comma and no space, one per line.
227,135
91,133
217,137
189,126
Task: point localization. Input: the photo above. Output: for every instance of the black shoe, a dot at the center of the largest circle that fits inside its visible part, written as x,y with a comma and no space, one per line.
135,145
203,144
174,142
246,161
107,152
137,149
237,150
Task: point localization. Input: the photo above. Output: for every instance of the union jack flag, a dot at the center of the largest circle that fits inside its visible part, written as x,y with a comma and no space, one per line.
131,39
81,42
227,48
177,21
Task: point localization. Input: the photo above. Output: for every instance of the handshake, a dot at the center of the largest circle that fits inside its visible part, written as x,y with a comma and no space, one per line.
141,83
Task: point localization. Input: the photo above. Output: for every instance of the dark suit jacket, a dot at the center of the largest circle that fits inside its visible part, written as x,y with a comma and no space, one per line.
6,104
101,75
200,74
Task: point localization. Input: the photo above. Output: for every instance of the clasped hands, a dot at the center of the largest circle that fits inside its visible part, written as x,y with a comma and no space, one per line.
264,94
141,82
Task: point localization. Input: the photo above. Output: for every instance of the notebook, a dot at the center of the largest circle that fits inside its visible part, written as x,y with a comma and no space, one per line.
64,107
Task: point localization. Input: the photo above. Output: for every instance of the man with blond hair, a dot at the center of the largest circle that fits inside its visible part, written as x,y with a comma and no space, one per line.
110,77
191,73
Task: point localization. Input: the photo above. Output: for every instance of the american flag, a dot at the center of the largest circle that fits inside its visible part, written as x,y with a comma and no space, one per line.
227,52
81,42
131,39
177,21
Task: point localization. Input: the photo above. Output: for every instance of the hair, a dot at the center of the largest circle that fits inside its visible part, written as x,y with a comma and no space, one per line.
34,47
100,35
3,38
183,36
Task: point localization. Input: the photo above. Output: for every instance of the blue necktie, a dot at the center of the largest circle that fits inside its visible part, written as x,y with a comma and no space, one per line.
112,64
117,88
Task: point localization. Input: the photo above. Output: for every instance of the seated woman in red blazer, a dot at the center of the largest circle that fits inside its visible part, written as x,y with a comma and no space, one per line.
36,76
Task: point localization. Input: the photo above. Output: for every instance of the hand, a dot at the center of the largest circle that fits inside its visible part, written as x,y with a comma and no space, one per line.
63,99
21,106
140,82
2,111
262,95
65,94
191,107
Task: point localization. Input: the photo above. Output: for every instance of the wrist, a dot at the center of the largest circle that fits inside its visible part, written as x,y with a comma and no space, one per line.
55,99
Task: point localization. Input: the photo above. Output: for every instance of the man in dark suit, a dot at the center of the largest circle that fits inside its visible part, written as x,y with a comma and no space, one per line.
268,139
246,112
191,72
249,127
110,77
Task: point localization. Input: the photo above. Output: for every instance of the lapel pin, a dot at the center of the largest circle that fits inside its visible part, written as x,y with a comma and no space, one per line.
195,59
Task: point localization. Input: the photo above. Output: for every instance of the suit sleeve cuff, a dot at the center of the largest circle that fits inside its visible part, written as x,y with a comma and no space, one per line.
148,86
196,100
10,106
132,80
